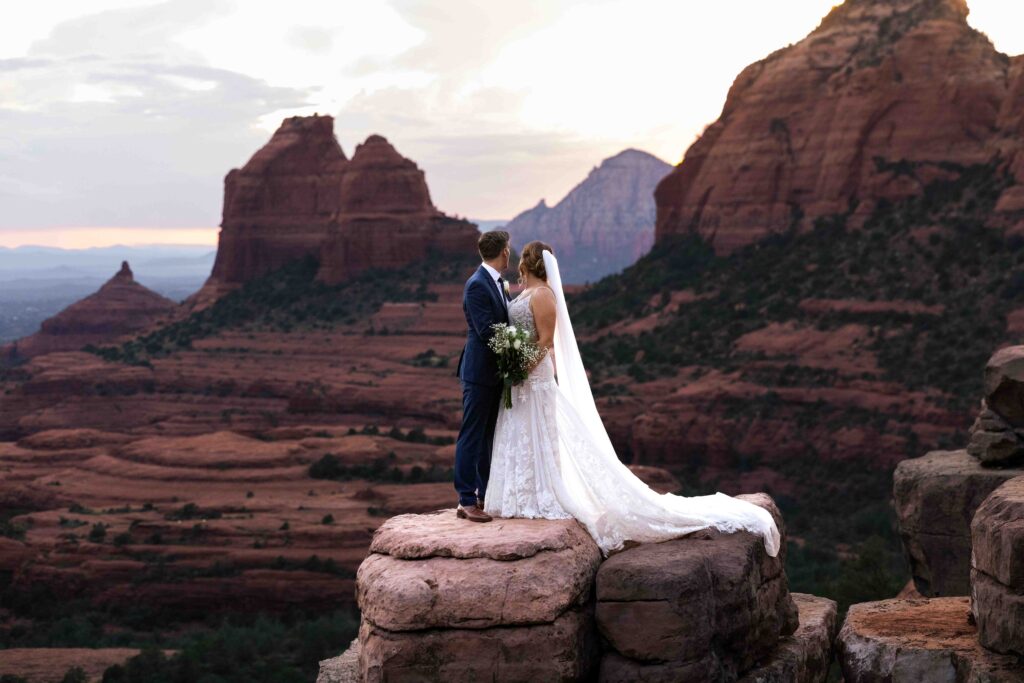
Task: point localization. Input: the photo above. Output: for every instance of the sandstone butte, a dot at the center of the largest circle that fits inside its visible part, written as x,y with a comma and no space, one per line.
299,194
120,307
817,128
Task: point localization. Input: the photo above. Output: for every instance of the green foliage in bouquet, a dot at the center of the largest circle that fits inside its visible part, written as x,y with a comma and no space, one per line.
516,355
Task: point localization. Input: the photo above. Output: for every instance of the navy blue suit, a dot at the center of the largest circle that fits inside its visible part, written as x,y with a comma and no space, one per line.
481,386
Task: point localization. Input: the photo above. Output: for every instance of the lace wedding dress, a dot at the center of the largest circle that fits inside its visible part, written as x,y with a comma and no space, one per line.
552,458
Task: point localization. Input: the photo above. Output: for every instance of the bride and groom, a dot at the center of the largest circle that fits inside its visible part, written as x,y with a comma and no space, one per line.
549,456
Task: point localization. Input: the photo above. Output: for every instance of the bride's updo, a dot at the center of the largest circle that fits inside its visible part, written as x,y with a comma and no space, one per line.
532,261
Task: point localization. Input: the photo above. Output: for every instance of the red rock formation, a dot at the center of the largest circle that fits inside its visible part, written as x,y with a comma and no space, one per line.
604,224
300,195
380,180
387,219
119,307
801,130
917,640
278,206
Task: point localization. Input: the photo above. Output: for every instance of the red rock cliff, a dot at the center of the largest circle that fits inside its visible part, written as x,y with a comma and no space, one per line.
801,129
279,205
387,219
300,195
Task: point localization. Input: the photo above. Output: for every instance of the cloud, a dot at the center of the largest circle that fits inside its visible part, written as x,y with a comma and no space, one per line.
313,39
130,112
117,125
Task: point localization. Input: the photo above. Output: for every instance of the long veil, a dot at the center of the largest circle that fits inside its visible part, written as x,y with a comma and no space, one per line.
572,376
604,494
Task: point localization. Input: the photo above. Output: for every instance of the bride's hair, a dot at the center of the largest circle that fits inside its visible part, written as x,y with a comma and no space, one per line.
532,261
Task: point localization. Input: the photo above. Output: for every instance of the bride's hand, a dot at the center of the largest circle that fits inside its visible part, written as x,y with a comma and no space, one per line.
540,357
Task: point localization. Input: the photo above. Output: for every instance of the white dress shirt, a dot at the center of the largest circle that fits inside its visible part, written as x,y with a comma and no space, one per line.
494,276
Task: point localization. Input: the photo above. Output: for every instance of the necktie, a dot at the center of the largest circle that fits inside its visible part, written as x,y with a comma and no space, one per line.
501,290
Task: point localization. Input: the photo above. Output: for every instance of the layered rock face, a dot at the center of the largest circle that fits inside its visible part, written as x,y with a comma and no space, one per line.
810,130
300,195
604,224
918,640
693,609
996,433
936,497
387,219
443,599
280,205
980,638
120,307
524,600
997,569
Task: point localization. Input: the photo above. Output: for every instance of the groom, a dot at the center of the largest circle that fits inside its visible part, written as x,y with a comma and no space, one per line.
485,302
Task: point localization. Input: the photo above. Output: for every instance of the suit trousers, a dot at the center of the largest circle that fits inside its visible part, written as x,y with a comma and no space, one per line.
476,437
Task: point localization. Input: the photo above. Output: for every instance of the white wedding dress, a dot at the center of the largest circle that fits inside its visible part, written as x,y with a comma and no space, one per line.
552,458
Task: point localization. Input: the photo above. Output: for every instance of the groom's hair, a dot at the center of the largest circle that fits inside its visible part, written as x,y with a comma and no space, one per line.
491,244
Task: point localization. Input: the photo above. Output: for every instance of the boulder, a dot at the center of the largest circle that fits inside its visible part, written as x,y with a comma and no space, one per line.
996,435
803,657
562,650
446,599
997,569
806,655
918,640
1004,384
706,606
341,669
935,497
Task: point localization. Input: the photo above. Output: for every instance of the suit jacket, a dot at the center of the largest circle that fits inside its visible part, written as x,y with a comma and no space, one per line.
483,307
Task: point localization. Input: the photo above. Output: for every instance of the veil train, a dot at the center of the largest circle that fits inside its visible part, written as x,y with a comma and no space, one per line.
601,492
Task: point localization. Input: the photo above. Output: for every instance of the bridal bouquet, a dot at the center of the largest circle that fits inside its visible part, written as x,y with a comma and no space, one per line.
516,354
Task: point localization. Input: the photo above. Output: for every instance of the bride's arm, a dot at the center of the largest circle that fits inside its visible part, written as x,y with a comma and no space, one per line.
542,303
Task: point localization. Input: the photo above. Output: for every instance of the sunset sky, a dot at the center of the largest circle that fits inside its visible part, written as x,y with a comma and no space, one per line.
119,118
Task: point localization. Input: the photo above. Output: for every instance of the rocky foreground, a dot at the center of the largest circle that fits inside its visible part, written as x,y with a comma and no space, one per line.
531,600
961,517
523,600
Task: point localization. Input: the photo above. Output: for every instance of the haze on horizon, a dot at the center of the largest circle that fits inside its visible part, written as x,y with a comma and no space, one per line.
120,118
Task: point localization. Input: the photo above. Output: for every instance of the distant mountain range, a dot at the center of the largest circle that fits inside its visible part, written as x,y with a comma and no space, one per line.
604,224
36,282
158,260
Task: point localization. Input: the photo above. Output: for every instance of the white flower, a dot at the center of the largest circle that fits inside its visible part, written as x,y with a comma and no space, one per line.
516,344
508,290
511,329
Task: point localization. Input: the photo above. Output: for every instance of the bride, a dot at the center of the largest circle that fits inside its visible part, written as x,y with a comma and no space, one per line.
552,457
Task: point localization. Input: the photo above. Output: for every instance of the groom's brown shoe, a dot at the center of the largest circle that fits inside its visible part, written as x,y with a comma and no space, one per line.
472,513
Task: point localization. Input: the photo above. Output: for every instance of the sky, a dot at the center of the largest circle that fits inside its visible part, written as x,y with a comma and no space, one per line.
120,118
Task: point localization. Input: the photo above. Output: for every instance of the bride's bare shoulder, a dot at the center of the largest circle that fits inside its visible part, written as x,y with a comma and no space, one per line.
544,292
542,301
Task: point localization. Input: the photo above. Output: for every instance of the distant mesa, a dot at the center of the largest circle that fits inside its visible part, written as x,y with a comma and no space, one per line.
854,114
300,194
121,306
604,224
